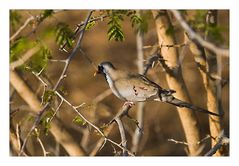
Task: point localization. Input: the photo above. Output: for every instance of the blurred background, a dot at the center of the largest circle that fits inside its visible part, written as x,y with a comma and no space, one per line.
161,121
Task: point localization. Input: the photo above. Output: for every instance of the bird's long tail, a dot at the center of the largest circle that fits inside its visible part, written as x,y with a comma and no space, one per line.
167,97
180,103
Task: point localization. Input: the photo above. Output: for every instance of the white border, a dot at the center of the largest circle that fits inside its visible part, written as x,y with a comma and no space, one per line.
119,4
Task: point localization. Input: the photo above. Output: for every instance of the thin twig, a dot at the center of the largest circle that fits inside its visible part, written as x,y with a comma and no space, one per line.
194,36
57,109
42,147
77,30
92,125
68,60
18,136
122,135
150,63
100,144
177,142
165,45
21,28
38,17
222,141
185,143
61,135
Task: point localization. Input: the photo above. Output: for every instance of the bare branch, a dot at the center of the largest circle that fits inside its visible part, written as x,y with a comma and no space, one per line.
64,138
99,145
222,141
125,110
122,135
150,63
21,28
177,142
24,58
166,45
175,79
63,74
38,17
140,109
78,28
42,147
194,36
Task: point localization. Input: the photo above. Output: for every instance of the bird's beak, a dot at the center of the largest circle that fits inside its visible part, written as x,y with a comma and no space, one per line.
97,72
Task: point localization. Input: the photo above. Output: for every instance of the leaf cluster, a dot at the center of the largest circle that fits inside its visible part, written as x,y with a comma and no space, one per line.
116,17
15,19
198,23
38,61
64,35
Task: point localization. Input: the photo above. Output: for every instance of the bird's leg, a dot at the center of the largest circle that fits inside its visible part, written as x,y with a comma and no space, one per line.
129,103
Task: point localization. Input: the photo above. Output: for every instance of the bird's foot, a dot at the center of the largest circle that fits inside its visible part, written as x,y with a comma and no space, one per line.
129,103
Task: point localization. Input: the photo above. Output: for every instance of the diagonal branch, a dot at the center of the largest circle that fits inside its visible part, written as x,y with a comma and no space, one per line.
62,76
24,58
61,135
194,36
124,112
222,140
21,28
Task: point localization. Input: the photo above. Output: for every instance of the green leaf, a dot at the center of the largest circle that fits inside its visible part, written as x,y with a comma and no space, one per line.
135,20
63,90
47,96
36,132
19,47
170,30
215,33
90,25
39,60
46,121
15,19
64,35
115,30
79,121
45,14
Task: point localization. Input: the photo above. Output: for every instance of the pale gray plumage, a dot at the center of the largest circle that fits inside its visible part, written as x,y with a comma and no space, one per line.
138,88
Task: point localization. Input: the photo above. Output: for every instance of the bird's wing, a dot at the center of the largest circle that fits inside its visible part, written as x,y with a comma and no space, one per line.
136,88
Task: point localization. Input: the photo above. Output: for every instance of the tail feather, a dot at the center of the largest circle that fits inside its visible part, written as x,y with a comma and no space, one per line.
180,103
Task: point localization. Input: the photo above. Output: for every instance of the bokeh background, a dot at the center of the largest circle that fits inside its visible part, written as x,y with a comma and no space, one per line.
161,121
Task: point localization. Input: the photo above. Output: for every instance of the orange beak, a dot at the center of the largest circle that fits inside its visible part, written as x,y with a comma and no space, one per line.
96,72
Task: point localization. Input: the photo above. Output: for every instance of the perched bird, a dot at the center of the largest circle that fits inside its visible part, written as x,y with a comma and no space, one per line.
138,88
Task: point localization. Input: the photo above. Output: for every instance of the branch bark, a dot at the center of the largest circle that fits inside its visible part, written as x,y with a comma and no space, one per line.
176,82
213,87
62,76
194,36
140,105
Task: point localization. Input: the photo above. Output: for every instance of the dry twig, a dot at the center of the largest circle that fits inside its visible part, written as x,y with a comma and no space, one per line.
194,36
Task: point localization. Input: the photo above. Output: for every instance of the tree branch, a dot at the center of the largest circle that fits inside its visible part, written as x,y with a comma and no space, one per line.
21,28
78,28
119,115
24,58
175,80
68,60
222,140
194,36
140,105
61,135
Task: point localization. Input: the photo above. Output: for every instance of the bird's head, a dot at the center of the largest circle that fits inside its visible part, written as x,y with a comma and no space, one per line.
105,68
